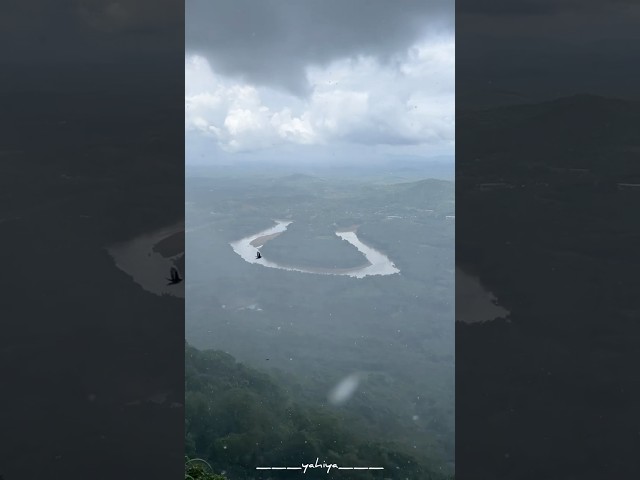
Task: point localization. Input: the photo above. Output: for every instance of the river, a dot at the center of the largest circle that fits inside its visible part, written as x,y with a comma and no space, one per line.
377,262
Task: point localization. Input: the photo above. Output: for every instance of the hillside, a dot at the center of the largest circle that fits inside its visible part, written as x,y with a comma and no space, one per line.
395,332
238,418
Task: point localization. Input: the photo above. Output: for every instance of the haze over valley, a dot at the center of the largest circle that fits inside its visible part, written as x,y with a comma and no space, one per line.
319,235
392,332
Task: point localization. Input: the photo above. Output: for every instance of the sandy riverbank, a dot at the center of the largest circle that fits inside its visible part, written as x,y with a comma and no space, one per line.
260,241
376,263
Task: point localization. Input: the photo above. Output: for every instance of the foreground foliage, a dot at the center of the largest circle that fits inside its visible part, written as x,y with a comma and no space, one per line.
238,419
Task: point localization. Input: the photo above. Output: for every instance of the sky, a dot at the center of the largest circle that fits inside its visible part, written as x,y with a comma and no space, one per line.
310,81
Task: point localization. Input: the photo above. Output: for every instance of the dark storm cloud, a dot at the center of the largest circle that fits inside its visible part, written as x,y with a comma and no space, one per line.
271,42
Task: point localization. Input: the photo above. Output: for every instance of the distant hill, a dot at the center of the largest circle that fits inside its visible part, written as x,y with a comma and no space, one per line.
298,178
431,194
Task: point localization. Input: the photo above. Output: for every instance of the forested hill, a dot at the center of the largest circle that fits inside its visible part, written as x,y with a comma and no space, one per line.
237,418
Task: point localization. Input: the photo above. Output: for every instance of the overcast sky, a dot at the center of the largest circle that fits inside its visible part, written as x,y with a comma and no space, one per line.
355,79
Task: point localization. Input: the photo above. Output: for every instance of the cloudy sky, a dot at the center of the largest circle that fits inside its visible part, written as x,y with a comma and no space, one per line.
316,79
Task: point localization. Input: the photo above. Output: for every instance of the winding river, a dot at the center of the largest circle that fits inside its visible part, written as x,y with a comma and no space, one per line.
378,263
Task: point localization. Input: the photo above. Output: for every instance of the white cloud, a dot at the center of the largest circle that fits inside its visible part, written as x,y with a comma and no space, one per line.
407,101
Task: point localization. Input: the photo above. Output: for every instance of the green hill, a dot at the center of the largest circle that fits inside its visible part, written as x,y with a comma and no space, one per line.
238,418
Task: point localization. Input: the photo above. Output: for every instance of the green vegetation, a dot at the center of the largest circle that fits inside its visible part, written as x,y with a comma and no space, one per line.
238,418
308,332
311,246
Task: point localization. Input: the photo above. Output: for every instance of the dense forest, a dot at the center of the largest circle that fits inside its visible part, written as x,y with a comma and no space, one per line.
394,334
237,418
